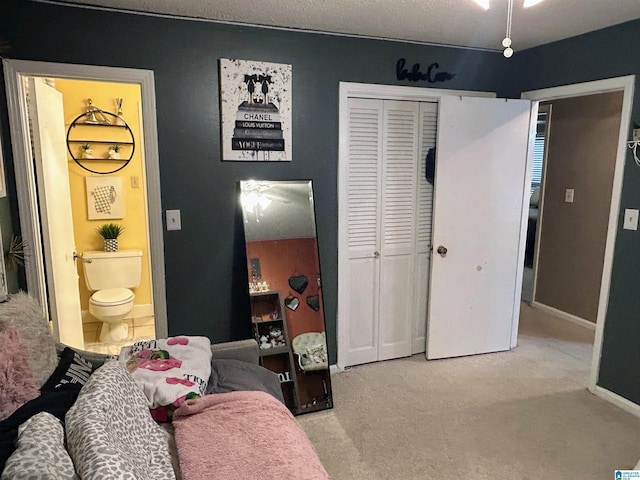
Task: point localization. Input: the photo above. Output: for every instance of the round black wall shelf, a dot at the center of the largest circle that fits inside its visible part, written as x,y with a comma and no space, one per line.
88,119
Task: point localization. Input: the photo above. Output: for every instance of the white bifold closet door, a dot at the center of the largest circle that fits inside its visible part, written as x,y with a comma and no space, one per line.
388,228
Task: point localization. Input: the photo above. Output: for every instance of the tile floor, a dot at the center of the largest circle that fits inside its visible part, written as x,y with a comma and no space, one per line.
140,329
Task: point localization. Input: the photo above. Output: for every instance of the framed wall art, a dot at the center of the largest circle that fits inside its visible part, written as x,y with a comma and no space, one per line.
104,198
255,99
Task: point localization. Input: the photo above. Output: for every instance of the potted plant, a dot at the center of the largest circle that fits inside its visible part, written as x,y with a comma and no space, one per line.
15,255
110,233
114,151
87,151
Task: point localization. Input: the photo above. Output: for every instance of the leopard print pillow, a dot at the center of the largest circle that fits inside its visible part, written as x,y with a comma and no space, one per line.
110,432
40,454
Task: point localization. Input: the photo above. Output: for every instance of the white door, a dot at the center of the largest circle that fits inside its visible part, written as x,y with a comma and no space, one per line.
397,228
363,224
480,192
381,206
47,116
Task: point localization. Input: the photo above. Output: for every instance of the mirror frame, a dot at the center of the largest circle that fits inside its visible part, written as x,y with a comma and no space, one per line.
278,256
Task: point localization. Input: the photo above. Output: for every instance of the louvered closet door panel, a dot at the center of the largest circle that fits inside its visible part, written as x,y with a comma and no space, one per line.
398,177
363,227
424,202
363,311
428,123
399,168
365,153
421,295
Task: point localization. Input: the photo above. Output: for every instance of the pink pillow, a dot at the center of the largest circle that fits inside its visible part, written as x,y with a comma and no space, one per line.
16,380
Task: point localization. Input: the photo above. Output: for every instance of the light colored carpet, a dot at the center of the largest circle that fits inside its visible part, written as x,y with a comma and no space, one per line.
523,414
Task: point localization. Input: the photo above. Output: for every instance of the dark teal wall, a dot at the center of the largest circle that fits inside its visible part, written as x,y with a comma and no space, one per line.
9,218
6,227
205,267
607,53
206,287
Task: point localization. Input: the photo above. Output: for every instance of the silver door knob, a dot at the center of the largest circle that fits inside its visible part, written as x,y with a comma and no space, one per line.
376,254
442,250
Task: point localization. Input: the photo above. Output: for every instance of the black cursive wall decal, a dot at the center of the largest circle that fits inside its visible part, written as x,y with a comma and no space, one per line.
415,75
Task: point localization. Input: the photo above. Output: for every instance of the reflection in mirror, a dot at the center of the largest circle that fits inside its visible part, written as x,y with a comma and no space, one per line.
284,287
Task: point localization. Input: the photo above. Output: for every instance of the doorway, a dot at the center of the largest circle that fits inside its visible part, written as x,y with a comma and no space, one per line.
539,154
568,195
39,269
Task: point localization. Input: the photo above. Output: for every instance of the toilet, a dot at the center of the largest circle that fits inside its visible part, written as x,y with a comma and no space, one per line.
111,275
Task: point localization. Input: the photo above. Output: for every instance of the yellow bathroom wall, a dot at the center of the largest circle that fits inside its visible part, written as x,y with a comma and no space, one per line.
135,236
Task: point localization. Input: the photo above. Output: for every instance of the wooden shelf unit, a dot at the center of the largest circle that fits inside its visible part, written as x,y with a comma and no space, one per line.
267,312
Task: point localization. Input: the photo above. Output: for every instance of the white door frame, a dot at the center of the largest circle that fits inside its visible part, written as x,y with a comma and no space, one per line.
626,84
15,71
384,92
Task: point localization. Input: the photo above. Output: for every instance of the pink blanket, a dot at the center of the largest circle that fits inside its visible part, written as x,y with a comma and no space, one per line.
240,436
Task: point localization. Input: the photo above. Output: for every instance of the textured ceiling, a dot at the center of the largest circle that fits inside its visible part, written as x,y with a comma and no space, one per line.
446,22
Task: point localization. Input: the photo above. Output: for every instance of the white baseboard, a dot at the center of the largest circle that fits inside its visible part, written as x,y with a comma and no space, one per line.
139,311
564,315
618,401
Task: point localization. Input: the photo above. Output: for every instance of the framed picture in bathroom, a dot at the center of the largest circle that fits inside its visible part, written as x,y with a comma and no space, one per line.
104,198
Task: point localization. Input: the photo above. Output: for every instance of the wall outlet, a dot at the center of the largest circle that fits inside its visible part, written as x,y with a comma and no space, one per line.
636,134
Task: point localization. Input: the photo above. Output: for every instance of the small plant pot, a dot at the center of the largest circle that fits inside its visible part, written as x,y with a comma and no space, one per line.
110,244
87,154
113,155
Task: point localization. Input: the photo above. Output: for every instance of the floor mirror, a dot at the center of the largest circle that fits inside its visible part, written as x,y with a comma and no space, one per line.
285,289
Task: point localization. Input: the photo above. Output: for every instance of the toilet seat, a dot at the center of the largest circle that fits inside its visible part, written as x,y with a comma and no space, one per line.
111,297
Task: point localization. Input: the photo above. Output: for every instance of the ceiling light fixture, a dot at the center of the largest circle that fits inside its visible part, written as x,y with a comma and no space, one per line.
506,43
255,203
254,199
526,3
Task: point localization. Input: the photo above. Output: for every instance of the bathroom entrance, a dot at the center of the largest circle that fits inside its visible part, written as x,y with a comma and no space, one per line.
54,263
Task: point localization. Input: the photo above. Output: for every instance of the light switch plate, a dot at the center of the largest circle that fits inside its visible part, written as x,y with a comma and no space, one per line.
568,195
173,220
630,219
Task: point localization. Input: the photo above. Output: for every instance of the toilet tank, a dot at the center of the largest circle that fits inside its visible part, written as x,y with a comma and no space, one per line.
121,269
